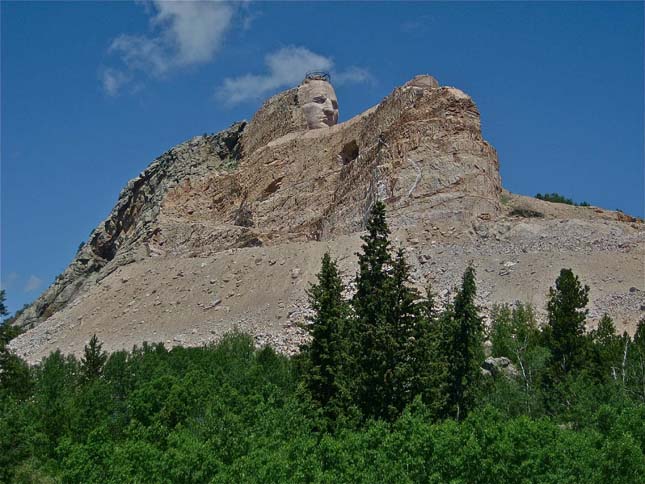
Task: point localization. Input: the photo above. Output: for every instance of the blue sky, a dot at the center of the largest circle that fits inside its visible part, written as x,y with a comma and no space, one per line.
92,92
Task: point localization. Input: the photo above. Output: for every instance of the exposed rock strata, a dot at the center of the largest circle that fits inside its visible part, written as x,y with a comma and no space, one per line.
119,239
227,230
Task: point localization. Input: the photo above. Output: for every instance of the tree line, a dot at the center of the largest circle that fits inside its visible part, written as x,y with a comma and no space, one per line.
372,355
389,388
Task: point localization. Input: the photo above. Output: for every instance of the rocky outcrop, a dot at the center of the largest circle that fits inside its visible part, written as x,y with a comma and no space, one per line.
243,217
420,150
500,366
122,237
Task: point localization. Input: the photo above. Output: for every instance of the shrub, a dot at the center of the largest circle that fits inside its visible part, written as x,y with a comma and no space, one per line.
526,213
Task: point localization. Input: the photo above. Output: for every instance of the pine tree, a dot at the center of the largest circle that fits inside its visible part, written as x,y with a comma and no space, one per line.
93,359
430,368
15,375
403,319
3,307
326,353
385,316
607,349
374,269
634,362
564,334
460,347
373,344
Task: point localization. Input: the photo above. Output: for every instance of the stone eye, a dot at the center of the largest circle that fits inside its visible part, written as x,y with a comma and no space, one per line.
320,99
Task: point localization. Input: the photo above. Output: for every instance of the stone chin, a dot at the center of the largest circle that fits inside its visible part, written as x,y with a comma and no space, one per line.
318,102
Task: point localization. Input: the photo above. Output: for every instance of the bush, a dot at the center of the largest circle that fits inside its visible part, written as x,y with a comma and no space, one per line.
526,213
557,198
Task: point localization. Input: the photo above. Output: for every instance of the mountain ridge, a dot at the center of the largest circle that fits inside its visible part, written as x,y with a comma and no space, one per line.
267,188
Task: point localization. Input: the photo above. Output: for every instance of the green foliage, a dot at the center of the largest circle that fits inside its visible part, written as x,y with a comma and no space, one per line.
634,363
388,390
514,333
3,307
566,323
526,213
93,359
232,413
607,351
327,351
384,313
15,376
460,348
557,198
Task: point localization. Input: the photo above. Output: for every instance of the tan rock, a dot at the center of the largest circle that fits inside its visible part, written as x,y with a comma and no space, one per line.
211,208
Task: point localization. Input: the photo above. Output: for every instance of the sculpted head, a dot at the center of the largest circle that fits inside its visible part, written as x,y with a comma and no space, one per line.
318,102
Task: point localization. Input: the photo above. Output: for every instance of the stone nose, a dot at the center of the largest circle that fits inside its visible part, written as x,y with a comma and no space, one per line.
328,107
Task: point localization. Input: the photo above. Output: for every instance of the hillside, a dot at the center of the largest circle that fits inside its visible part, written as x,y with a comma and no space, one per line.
227,230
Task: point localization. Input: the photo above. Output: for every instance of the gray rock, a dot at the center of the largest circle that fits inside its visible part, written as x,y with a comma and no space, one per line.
499,366
121,238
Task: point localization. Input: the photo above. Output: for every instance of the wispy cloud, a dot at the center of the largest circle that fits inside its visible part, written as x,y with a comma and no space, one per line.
285,67
112,80
33,283
417,25
352,75
183,34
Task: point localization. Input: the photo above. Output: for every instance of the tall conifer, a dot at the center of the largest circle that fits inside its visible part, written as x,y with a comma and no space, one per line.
327,351
460,347
403,321
93,359
372,341
564,333
430,368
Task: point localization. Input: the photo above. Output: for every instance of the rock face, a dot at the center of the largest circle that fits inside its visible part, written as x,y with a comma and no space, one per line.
242,217
420,151
121,238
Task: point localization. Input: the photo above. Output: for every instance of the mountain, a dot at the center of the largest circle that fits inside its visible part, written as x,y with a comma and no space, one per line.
226,231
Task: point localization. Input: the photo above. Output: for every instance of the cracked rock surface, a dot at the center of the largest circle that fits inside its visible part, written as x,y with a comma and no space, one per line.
226,231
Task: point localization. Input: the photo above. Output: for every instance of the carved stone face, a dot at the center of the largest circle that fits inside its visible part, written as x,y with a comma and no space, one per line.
319,104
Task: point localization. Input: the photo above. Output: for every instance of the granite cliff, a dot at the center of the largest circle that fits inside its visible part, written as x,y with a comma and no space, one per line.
226,230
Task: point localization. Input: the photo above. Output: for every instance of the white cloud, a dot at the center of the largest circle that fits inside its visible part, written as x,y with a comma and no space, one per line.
113,80
286,67
195,29
33,283
352,75
184,33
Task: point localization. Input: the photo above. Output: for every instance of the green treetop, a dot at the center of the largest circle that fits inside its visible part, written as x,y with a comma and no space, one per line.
566,322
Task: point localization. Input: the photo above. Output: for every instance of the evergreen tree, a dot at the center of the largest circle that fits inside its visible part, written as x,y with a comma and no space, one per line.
461,348
430,368
429,307
564,334
403,322
386,313
374,269
373,342
326,353
15,376
607,350
634,361
3,307
93,359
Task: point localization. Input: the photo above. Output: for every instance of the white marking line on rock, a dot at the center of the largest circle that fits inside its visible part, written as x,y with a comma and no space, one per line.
416,182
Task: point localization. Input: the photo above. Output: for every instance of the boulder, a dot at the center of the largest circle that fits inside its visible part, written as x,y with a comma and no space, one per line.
499,366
